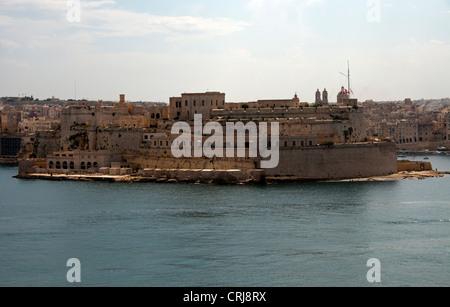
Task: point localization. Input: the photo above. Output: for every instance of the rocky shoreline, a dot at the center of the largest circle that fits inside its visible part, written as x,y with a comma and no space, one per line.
417,175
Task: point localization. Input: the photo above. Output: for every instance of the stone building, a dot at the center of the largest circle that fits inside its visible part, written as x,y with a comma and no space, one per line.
82,161
425,132
9,121
184,108
342,96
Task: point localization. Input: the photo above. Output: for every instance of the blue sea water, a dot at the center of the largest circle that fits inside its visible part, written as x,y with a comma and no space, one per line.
171,235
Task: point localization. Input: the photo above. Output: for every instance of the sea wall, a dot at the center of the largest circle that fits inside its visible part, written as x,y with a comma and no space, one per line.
408,166
343,161
337,162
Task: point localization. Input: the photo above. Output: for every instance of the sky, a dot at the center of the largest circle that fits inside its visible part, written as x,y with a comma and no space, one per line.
249,49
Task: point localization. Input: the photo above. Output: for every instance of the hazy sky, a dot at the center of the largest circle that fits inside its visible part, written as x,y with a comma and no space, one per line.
248,49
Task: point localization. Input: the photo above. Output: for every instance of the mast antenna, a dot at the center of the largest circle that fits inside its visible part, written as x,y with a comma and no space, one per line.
348,78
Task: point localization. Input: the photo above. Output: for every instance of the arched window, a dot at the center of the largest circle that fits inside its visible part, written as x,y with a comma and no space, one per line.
158,116
65,165
51,165
89,165
153,115
95,165
72,165
58,165
83,165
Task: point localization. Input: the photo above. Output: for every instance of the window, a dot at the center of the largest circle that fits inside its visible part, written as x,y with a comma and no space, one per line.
58,165
89,165
51,165
186,103
203,103
72,165
95,165
65,165
83,165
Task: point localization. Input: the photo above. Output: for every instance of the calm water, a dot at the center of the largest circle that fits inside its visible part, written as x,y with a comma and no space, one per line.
199,235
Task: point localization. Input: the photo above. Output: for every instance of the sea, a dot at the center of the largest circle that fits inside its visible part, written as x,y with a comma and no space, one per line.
195,235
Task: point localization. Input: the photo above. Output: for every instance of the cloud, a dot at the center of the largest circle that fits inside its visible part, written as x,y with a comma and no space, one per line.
15,63
436,42
280,9
9,44
120,23
101,19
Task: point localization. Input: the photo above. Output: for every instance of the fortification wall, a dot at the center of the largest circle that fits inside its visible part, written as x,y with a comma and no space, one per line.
147,160
46,143
408,166
338,162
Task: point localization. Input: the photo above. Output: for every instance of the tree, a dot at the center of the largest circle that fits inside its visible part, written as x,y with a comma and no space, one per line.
346,134
350,132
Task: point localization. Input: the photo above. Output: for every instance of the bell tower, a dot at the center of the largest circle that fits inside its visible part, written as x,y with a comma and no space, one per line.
318,98
325,96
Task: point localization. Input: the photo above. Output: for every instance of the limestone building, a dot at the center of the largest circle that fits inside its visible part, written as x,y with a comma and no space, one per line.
342,96
184,108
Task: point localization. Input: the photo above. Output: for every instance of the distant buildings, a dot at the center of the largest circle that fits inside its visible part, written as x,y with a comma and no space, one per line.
408,123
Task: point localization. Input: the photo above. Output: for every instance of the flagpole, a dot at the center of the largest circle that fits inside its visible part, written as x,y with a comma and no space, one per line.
349,90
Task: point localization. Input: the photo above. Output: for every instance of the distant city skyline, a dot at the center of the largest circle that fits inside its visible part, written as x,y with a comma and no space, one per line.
250,50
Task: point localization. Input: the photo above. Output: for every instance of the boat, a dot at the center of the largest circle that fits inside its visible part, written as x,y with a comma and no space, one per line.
426,158
442,148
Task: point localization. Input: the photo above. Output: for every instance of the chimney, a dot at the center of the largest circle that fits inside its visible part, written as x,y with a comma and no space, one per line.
122,98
